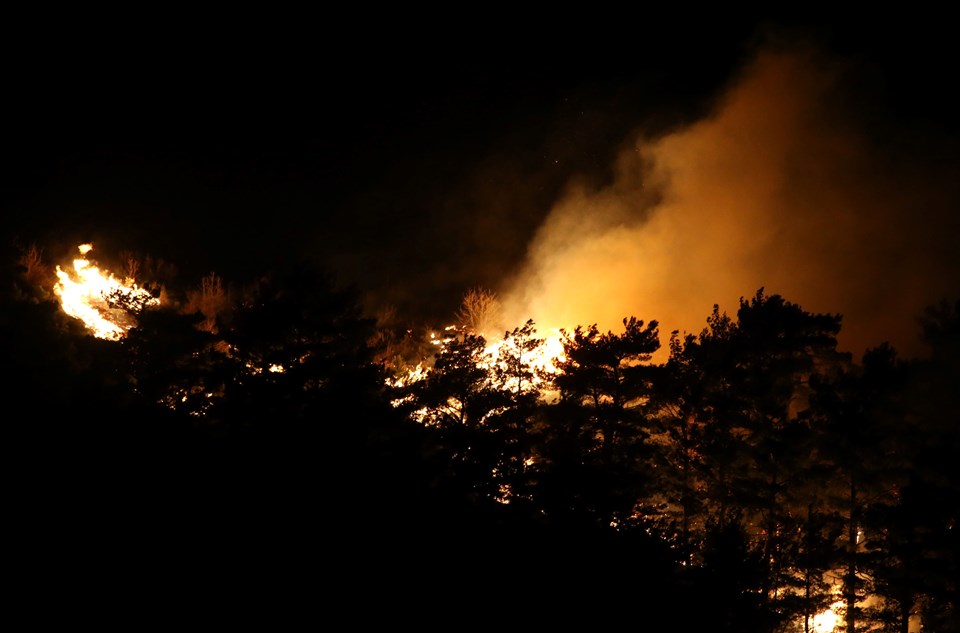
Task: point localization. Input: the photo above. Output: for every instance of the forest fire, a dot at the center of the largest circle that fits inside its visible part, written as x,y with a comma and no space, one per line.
96,297
279,376
828,619
506,357
632,446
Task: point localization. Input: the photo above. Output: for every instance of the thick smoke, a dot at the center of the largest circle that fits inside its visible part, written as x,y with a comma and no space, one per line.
796,183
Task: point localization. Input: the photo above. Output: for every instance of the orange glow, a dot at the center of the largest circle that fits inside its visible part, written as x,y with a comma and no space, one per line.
544,357
90,294
777,188
541,359
827,620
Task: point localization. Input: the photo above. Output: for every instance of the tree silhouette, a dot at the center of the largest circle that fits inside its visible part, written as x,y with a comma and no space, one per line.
173,363
690,416
924,528
734,445
780,347
729,583
852,413
468,398
738,476
595,444
520,378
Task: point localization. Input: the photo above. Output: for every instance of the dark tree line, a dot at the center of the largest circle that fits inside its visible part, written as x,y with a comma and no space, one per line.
746,484
782,476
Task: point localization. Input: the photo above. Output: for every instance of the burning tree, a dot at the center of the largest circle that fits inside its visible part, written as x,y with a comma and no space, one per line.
762,449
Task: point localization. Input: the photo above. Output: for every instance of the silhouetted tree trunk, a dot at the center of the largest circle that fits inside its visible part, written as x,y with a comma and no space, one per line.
862,436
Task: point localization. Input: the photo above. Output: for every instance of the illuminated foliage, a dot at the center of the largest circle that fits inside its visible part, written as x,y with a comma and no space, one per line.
520,375
484,400
35,272
456,389
459,399
480,312
211,300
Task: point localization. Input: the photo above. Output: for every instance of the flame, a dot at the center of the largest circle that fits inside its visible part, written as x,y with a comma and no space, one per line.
542,360
92,295
544,356
827,620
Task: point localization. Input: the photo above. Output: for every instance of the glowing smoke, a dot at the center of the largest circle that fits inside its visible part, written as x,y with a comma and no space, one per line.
790,185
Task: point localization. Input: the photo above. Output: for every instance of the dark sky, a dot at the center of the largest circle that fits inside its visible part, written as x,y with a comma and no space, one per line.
422,155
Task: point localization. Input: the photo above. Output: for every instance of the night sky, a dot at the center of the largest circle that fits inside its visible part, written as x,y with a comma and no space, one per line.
604,166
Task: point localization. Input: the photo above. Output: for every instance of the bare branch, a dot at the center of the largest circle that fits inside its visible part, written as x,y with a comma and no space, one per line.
480,312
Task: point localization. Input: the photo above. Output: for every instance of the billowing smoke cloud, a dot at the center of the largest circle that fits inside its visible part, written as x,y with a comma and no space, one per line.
795,183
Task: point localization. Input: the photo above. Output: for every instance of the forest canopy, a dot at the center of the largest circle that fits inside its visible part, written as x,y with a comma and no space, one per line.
758,471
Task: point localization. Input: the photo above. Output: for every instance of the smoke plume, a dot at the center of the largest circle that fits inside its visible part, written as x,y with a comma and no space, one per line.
796,183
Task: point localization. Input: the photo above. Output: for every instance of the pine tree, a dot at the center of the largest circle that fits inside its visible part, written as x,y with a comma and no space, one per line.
860,440
597,436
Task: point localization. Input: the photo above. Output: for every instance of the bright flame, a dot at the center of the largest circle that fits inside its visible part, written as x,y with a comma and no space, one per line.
542,360
544,357
827,620
92,295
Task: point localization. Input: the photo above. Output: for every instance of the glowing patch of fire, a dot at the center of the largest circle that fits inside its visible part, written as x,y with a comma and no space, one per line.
827,620
543,359
91,295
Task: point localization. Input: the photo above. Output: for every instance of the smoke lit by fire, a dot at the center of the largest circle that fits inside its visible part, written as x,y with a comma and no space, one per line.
785,186
103,302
